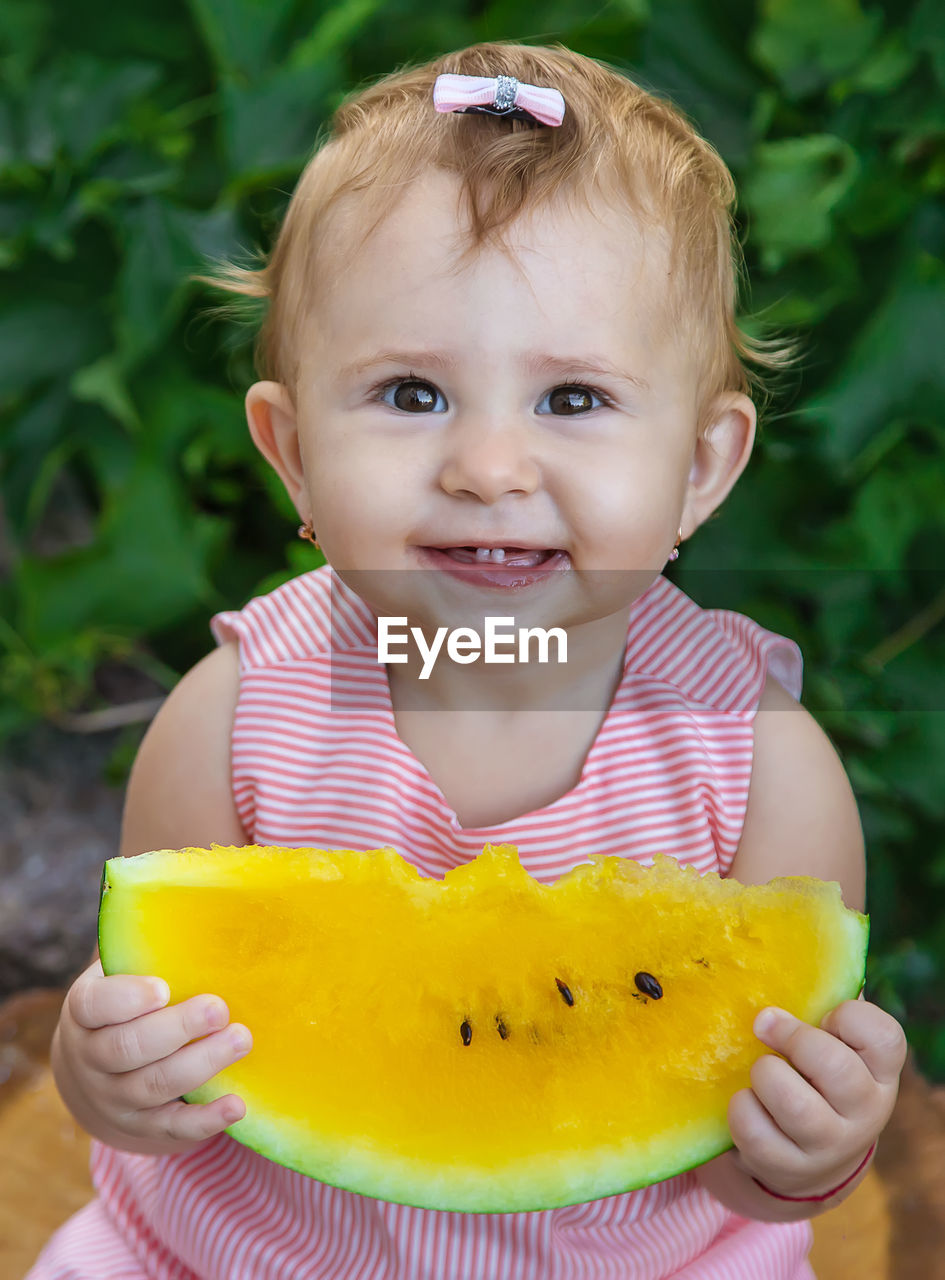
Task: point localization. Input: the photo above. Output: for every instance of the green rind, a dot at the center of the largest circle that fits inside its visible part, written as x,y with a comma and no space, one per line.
109,945
524,1187
574,1179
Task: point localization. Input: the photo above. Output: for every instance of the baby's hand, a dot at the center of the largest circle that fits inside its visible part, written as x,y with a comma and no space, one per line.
123,1056
806,1123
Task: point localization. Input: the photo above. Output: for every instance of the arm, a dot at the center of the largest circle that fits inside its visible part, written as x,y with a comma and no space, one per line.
122,1056
179,791
802,820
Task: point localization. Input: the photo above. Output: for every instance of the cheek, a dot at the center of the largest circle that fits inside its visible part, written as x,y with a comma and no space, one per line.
624,492
354,495
622,514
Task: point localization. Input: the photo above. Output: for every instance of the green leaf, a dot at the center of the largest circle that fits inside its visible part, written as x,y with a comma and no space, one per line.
905,762
24,33
103,383
165,245
880,527
8,140
270,124
915,679
926,33
127,169
700,63
791,189
883,69
806,290
242,34
55,680
808,43
882,197
184,413
45,337
26,440
333,32
637,11
147,570
78,105
18,213
894,367
108,449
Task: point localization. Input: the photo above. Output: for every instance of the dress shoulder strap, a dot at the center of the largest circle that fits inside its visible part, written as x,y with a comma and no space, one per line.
714,657
312,616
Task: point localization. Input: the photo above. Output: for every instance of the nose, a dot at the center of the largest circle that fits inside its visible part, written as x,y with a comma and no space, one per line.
489,460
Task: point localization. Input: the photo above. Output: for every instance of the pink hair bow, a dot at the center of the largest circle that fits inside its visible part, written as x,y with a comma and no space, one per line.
503,96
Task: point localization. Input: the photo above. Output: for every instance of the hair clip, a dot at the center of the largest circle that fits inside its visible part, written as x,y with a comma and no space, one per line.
503,96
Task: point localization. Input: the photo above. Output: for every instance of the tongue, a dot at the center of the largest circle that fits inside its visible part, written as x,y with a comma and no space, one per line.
517,556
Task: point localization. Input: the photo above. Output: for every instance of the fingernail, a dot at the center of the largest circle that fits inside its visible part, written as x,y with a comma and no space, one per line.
216,1015
240,1041
160,991
766,1022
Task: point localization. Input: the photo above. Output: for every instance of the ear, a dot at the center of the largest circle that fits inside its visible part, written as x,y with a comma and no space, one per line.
720,456
272,424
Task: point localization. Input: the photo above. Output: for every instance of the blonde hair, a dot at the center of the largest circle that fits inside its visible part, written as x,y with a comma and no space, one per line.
617,141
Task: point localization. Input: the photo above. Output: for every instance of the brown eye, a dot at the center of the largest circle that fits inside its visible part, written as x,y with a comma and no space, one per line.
569,399
413,396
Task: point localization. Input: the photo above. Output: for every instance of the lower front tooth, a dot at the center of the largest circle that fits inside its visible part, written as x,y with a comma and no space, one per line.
498,553
482,553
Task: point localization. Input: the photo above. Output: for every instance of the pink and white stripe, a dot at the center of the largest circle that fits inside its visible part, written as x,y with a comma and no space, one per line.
317,760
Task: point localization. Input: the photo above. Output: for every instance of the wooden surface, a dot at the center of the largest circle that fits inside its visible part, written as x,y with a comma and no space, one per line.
44,1173
891,1228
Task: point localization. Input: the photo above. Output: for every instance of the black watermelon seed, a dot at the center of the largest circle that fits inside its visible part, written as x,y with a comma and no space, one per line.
565,991
502,1028
465,1030
648,985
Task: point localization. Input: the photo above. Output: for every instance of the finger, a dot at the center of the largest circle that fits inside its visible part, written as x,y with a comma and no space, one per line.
798,1110
97,1001
873,1034
186,1070
761,1143
184,1121
836,1071
126,1046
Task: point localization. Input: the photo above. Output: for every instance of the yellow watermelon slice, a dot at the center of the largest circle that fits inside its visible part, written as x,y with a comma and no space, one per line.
482,1042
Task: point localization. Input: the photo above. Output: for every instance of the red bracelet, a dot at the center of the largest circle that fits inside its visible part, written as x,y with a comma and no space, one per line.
827,1194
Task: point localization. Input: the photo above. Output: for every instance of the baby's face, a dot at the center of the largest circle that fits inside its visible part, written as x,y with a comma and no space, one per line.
535,400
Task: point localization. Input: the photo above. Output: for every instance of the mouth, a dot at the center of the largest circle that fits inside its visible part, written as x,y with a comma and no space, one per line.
513,556
497,567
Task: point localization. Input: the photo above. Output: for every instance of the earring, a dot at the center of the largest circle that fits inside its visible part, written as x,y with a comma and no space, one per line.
307,532
674,554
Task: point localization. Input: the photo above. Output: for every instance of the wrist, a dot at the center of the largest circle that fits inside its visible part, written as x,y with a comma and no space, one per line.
826,1195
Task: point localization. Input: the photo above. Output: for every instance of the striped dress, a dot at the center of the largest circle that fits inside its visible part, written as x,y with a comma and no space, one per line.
317,761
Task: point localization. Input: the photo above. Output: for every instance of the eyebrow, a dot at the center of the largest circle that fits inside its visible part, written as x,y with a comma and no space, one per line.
533,362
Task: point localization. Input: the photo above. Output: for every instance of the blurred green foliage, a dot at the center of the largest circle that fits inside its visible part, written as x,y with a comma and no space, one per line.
137,141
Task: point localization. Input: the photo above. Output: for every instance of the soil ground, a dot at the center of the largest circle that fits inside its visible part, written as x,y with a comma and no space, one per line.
59,822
